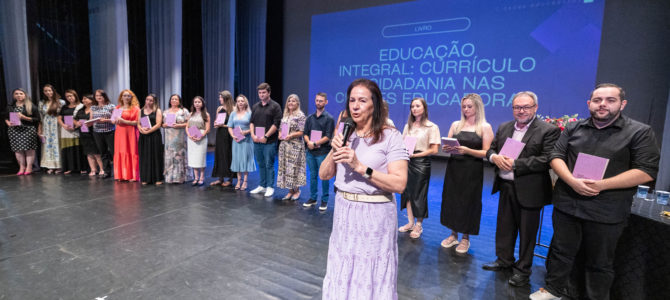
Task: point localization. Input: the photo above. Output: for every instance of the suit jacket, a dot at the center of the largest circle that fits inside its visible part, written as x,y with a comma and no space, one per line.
531,170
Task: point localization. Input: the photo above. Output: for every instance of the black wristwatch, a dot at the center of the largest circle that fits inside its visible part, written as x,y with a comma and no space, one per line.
265,136
368,173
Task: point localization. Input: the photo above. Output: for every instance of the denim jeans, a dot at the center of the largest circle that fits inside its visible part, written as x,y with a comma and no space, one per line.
314,162
265,158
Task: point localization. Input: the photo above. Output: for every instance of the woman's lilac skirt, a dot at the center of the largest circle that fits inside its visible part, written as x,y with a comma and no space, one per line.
363,251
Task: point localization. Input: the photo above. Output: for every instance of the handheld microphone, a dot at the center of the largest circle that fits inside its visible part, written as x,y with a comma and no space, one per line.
348,129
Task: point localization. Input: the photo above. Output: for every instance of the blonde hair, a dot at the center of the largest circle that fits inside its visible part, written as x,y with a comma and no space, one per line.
287,113
480,118
27,103
133,102
246,103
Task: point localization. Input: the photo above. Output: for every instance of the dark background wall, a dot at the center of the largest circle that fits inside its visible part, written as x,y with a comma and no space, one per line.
634,51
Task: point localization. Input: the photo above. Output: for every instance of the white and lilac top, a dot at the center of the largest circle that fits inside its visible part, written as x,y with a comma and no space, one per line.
389,148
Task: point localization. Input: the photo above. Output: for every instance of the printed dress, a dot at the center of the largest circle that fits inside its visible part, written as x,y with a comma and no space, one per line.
51,131
176,164
291,163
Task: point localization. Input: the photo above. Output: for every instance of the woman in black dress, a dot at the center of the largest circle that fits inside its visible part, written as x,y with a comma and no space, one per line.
151,143
23,136
71,153
223,153
86,135
463,179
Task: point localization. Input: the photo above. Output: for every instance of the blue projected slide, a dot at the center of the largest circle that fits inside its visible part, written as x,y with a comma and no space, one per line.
442,50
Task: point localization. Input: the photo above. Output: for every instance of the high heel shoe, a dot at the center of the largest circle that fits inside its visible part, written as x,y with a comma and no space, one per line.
237,186
244,186
19,173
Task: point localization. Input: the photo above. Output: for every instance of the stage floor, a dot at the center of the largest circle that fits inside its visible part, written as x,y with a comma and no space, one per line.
71,237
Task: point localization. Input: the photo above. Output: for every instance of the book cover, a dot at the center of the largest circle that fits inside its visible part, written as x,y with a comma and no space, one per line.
145,122
91,122
451,142
237,132
84,128
68,120
220,119
14,118
116,114
170,119
194,131
590,166
260,132
284,130
512,148
315,135
410,144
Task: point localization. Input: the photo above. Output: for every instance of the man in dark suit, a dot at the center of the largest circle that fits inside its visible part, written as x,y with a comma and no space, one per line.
524,184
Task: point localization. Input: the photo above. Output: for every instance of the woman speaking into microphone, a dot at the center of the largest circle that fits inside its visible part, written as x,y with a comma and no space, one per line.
369,165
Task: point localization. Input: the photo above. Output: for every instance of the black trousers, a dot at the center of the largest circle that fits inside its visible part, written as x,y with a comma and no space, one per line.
595,241
514,219
104,141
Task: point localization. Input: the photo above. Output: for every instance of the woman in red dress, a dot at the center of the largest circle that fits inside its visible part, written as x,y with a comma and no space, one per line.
126,153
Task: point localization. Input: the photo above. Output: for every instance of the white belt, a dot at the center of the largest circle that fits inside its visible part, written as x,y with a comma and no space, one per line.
366,198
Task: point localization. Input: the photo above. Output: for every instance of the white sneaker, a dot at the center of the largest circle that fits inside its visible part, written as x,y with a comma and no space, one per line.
543,294
258,190
269,192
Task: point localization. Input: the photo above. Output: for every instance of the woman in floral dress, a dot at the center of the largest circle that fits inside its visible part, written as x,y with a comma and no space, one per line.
49,129
176,164
291,174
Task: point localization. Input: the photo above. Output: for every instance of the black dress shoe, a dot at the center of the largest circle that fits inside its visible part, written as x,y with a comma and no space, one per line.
494,266
519,280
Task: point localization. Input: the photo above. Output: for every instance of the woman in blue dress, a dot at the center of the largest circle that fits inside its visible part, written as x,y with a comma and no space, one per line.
243,146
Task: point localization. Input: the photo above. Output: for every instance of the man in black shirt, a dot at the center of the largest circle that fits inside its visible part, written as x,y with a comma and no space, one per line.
317,151
266,114
591,214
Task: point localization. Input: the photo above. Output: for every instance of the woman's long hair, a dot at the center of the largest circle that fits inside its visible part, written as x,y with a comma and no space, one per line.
155,105
203,109
246,103
379,113
103,94
227,101
287,112
27,103
74,93
480,119
53,103
133,102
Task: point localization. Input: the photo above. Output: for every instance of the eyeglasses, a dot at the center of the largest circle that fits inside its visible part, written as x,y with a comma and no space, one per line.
525,108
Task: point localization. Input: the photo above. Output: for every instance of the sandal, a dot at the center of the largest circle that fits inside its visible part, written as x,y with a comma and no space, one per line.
50,171
416,231
201,182
296,196
215,183
159,182
227,183
194,183
92,173
449,242
244,186
237,186
407,227
67,172
463,246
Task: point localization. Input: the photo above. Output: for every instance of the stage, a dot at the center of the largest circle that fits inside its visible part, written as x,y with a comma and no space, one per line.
73,237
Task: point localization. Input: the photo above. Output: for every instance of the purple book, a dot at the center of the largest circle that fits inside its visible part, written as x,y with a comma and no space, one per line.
14,118
237,132
315,135
145,122
170,119
116,114
410,144
194,131
84,128
512,148
284,130
452,142
590,166
68,121
260,132
220,118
